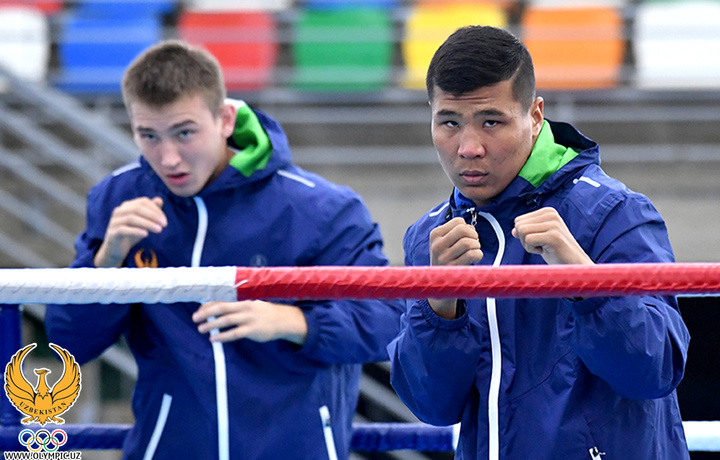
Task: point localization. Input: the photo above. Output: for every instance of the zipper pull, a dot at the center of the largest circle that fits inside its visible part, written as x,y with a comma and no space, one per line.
595,453
473,216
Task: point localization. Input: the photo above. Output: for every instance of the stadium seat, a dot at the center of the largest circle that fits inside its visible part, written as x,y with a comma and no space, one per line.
579,3
238,5
119,9
245,44
24,42
93,52
350,3
676,45
345,49
574,46
430,23
46,6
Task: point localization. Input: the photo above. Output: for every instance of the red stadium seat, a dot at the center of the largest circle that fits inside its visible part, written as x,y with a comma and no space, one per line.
245,43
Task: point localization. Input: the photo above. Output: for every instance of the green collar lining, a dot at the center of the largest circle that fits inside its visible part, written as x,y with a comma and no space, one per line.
546,157
253,143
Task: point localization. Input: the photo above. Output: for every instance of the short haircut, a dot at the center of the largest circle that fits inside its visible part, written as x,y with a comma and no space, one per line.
477,56
171,70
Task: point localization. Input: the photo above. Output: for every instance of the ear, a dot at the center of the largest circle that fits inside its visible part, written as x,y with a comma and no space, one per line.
228,117
537,116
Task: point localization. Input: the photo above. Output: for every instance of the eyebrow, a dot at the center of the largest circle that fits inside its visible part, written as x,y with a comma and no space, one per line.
480,113
174,127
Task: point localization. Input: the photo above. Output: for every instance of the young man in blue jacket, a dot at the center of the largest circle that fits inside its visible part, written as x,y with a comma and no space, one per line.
541,379
215,186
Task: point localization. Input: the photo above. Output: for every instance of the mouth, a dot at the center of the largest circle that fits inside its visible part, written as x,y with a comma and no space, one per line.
177,178
473,177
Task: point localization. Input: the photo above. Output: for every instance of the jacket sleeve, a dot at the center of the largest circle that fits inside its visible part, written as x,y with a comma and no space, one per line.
447,350
434,364
87,330
636,344
350,331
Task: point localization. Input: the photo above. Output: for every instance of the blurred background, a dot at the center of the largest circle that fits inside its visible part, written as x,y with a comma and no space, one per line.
346,81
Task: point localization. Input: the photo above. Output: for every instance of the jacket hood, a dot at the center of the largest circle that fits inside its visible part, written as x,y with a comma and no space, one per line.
261,148
585,152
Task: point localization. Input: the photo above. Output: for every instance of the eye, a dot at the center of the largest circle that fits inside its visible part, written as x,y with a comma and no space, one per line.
491,123
185,134
148,137
448,123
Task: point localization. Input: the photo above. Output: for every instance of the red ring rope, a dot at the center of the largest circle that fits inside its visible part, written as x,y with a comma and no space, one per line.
477,281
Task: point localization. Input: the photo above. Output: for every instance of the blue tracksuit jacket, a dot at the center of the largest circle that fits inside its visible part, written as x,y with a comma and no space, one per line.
550,379
280,215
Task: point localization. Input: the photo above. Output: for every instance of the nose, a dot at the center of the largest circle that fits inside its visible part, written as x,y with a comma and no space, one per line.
169,154
471,144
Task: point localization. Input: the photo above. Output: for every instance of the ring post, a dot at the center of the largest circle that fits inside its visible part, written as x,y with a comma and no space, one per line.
10,343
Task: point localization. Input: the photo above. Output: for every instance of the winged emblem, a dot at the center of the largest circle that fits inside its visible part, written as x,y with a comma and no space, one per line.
142,262
42,404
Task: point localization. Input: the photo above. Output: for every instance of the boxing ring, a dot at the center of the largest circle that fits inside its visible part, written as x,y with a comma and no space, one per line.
167,285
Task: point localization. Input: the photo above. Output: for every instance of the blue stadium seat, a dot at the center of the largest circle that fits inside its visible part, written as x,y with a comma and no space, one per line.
119,9
93,52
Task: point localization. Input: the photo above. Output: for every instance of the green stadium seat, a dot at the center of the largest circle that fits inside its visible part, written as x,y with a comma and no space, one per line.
350,3
342,49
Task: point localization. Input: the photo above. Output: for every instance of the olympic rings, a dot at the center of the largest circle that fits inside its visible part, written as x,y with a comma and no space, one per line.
42,439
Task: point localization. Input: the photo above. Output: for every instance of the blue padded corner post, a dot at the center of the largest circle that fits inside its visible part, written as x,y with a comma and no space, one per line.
10,343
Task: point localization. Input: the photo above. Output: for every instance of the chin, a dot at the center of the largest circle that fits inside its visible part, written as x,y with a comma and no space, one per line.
182,192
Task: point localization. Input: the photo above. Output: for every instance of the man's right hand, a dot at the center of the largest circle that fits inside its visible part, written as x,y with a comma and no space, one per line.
129,223
453,243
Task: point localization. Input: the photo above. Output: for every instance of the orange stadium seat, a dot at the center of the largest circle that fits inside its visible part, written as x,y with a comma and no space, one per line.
244,42
431,22
574,46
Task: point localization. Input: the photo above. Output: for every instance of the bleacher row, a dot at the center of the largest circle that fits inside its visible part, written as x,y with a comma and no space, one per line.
83,46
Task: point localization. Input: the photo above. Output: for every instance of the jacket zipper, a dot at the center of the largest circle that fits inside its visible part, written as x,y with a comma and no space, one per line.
159,427
496,351
327,432
217,347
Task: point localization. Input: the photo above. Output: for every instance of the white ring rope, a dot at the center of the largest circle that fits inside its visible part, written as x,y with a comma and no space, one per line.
116,285
702,436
